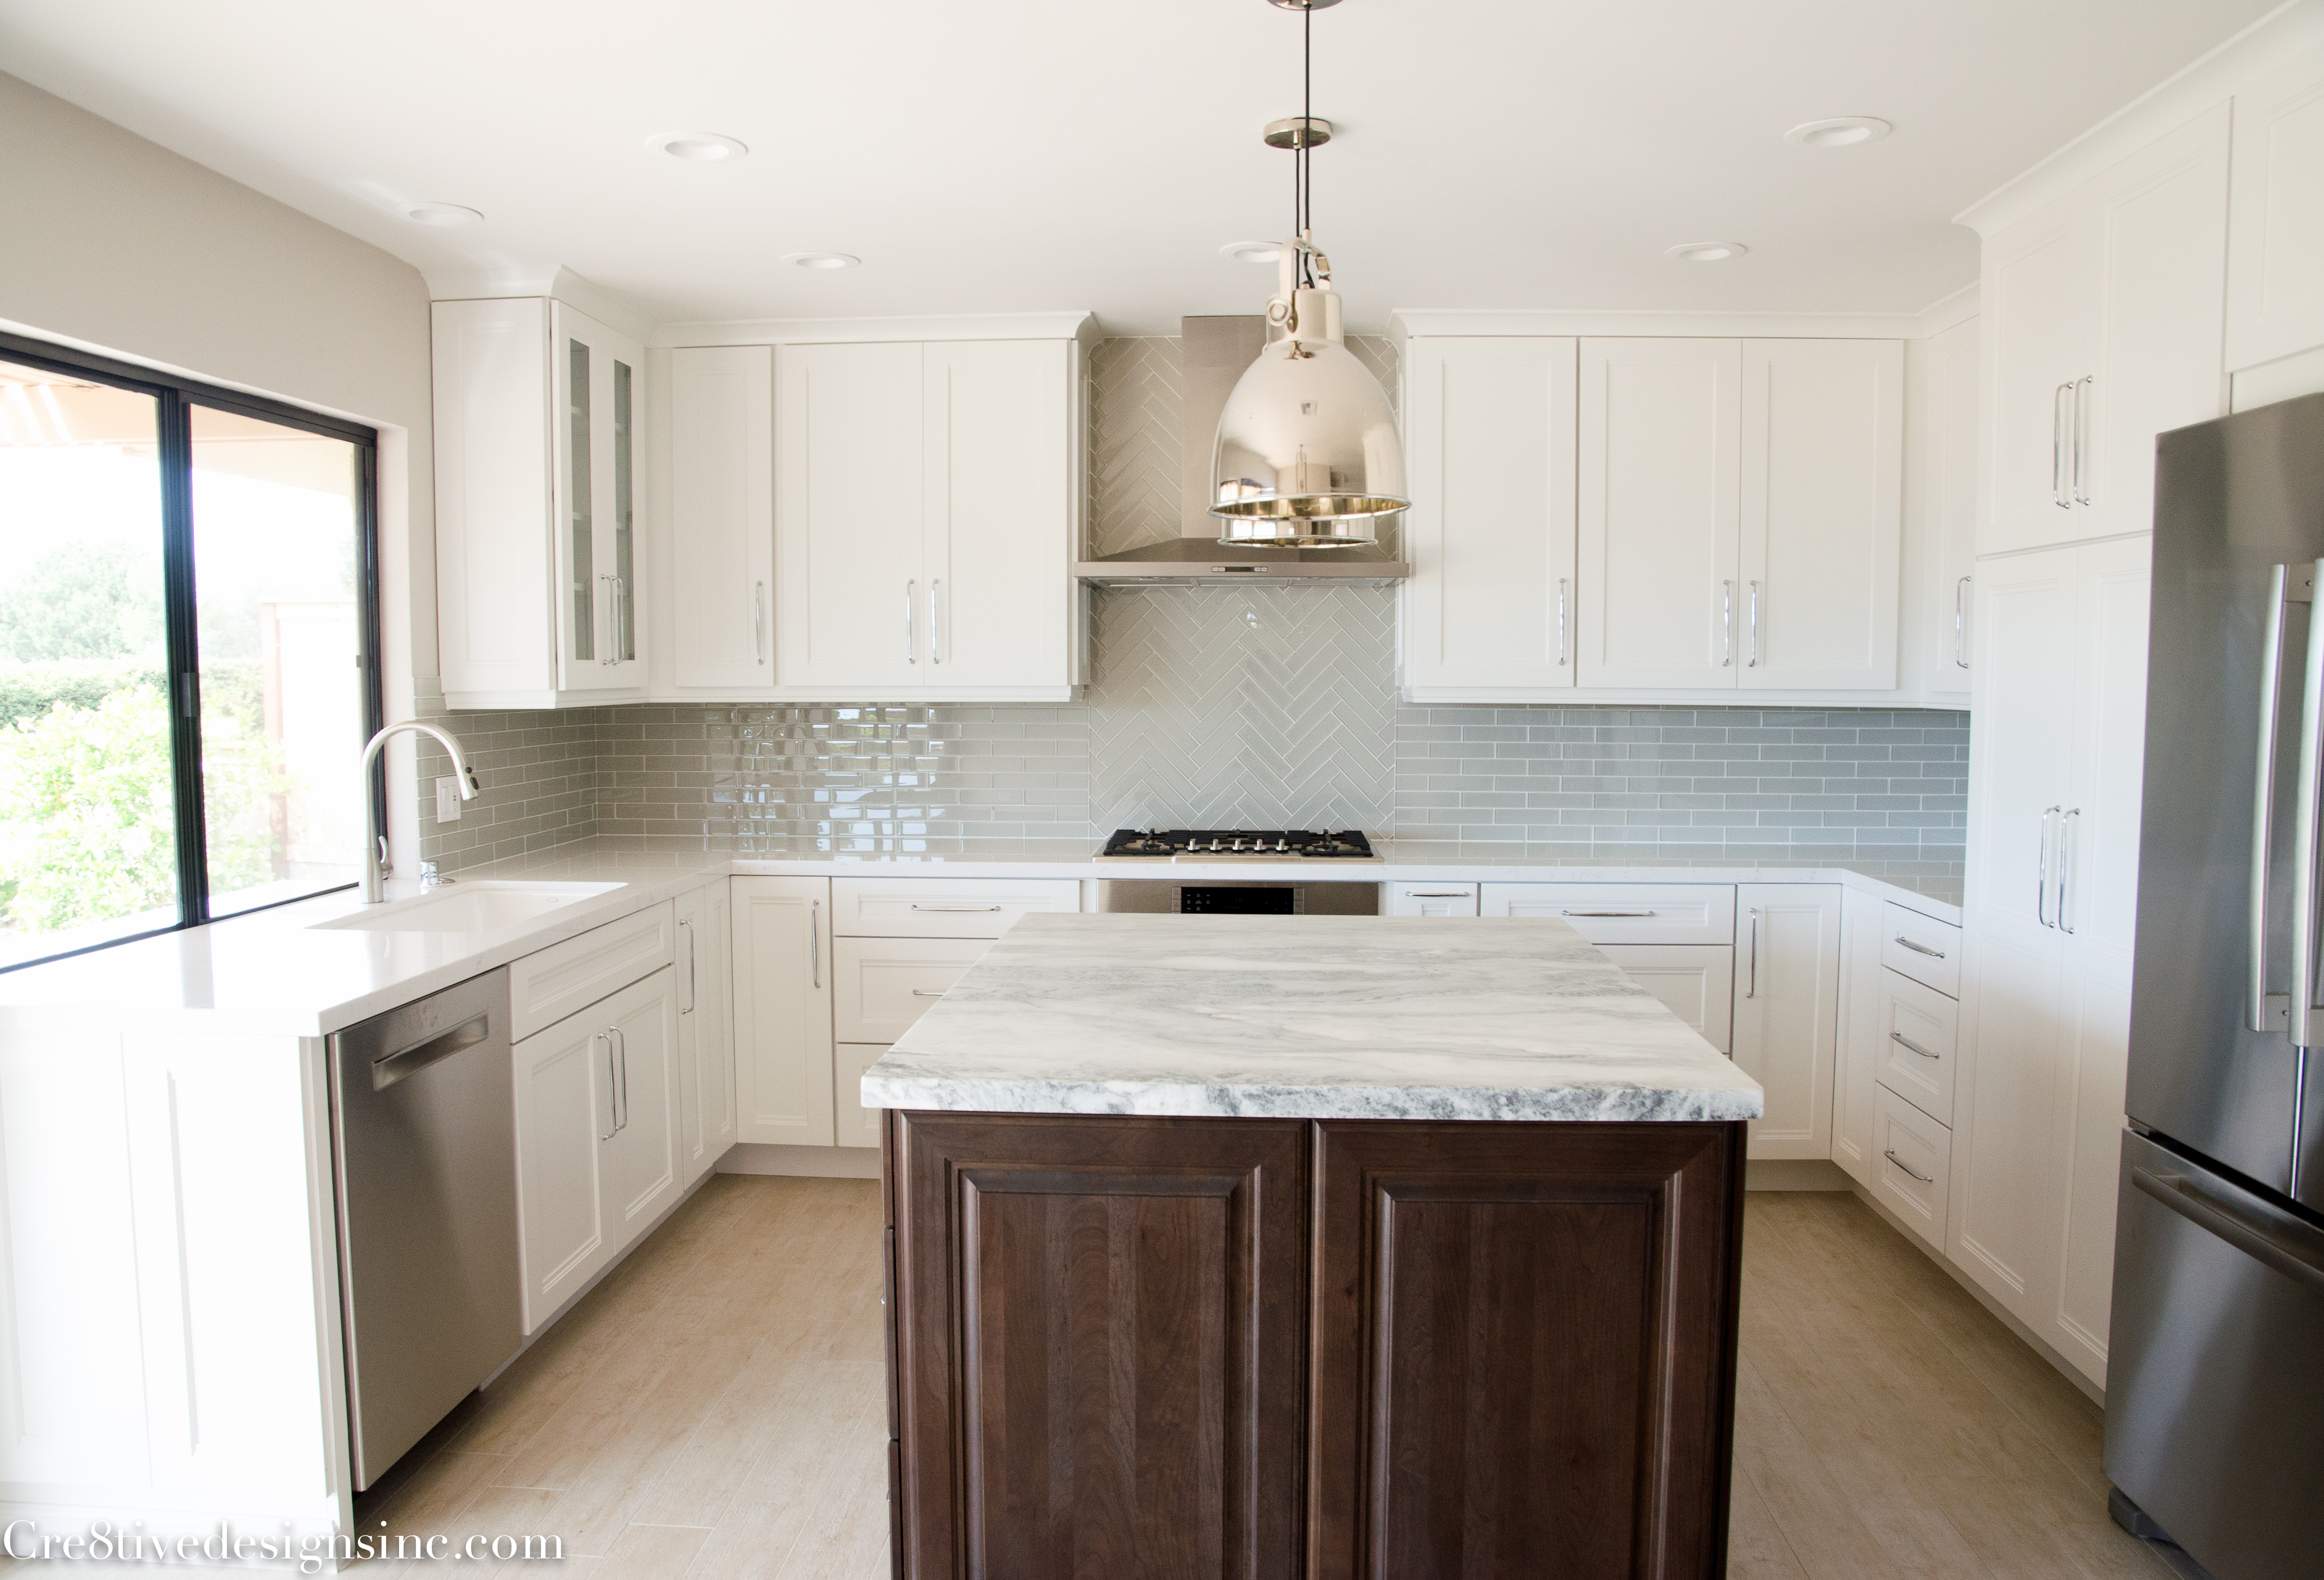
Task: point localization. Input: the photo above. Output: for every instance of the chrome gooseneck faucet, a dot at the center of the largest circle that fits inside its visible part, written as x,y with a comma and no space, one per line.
375,847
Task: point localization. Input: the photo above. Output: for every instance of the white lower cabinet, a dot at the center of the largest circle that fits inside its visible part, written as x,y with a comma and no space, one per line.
1912,1166
857,1126
882,985
706,1027
1695,982
783,973
1787,1011
1429,900
597,1144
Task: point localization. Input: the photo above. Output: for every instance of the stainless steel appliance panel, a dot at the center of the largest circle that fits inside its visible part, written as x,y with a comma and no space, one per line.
2214,1395
2235,499
1307,898
423,1140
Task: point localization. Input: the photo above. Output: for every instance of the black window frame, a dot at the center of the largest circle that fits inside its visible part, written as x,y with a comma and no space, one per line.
175,399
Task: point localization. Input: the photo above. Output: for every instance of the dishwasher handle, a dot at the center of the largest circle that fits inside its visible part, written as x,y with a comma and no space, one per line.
404,1063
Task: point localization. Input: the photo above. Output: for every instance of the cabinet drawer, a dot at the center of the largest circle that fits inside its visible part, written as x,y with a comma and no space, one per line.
880,986
1912,1155
1924,949
1431,899
546,986
943,908
1696,981
857,1126
1919,1031
1625,913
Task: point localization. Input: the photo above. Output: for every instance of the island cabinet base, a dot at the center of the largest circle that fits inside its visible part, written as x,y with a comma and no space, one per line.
1265,1349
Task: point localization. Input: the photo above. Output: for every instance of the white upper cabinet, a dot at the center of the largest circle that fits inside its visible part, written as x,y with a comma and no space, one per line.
1823,463
2275,287
539,409
926,518
721,517
1941,505
1660,482
1489,451
2103,327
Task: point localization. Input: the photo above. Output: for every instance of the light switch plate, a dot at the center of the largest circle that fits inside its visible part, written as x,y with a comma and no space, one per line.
448,799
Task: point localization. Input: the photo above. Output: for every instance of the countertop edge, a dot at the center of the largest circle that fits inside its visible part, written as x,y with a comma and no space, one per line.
1177,1100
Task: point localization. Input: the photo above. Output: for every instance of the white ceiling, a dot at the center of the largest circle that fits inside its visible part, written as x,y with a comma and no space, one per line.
1036,154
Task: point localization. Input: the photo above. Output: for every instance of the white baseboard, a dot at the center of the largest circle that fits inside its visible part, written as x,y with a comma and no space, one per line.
801,1162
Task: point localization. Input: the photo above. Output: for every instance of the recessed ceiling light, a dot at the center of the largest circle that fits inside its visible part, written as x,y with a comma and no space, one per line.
1252,252
440,214
1846,132
1706,252
701,147
823,260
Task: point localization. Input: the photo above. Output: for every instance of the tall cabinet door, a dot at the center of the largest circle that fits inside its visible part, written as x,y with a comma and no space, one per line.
1659,484
721,515
2021,731
2041,325
2275,302
1489,445
705,1040
598,379
850,592
999,524
1822,503
782,1010
1787,1011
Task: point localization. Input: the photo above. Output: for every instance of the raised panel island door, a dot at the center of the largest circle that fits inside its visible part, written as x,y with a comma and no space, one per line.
1490,530
1523,1350
1823,457
1787,1011
996,585
1118,1306
1659,483
848,505
721,515
782,1010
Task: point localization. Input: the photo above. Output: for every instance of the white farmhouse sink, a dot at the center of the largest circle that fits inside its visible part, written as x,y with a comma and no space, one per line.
484,906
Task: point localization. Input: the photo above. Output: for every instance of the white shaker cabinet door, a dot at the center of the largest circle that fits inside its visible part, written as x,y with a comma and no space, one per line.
705,1036
1787,1011
850,591
1856,1066
496,585
857,1126
1695,982
995,593
564,1110
642,1169
2021,731
2275,290
1948,497
1491,426
1659,484
2095,859
2041,325
721,516
1822,503
782,1010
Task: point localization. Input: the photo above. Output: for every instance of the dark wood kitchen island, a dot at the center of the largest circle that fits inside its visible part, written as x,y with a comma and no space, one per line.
1309,1246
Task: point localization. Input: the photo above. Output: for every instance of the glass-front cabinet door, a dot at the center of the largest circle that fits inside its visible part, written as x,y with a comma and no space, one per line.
599,399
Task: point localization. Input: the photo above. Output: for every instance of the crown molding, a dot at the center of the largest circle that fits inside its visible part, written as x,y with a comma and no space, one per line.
1948,312
608,307
1411,323
1079,325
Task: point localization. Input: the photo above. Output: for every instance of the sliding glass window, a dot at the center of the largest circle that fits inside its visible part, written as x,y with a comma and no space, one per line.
189,620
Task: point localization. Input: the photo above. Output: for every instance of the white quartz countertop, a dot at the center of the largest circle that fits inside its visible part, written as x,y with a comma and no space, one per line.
1309,1017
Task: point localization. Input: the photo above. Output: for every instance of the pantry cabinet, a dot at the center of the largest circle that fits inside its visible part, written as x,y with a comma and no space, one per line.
782,1010
539,410
2102,319
706,1027
926,520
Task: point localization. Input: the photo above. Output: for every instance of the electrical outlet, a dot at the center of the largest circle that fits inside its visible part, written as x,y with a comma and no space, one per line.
448,799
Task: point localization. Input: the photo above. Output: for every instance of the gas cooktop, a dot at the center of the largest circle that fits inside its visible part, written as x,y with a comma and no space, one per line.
1230,843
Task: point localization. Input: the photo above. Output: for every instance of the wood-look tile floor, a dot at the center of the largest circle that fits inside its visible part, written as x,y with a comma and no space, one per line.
715,1409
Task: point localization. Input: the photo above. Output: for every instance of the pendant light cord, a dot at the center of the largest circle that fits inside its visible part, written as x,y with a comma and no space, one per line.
1305,177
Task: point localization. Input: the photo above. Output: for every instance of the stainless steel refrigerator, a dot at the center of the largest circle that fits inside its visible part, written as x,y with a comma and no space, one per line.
2215,1371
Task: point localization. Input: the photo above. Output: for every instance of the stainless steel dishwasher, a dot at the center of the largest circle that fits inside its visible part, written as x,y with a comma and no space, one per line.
423,1145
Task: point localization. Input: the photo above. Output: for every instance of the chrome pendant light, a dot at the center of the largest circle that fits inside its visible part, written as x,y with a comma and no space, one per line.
1307,454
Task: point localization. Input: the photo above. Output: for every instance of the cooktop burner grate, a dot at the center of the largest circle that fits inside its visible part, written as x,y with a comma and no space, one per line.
1308,843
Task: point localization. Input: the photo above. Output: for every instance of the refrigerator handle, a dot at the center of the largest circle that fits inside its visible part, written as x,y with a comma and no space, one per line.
2259,1013
2303,833
2261,1240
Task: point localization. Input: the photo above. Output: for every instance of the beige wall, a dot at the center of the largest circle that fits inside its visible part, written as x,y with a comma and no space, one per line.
117,245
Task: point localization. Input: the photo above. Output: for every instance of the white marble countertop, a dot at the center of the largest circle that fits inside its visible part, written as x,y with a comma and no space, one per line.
1310,1017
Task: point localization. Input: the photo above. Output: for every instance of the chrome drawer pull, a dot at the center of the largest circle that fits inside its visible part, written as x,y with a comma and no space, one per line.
1891,1155
927,992
1622,913
1916,1047
1920,948
1436,894
980,908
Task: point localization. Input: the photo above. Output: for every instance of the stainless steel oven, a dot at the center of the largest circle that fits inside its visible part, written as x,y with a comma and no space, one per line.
1195,896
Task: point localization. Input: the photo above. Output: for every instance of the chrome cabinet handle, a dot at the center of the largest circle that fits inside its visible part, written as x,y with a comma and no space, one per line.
2065,858
1751,988
2042,877
758,623
2057,447
1563,646
689,967
956,910
596,617
1727,624
935,642
2304,843
1920,948
1916,1047
622,1042
927,992
607,1039
620,619
1754,662
2082,430
2256,1015
1624,913
1960,624
1890,1153
1436,894
814,942
911,645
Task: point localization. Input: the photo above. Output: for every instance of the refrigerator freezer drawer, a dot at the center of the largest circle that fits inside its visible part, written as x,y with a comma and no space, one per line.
2216,1370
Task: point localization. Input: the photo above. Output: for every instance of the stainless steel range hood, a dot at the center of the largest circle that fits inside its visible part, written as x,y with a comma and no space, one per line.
1213,353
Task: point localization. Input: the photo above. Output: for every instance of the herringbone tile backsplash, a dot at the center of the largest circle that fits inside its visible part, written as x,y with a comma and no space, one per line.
1212,707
